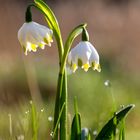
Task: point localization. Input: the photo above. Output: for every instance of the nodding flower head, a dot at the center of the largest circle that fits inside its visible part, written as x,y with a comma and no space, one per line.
33,35
85,56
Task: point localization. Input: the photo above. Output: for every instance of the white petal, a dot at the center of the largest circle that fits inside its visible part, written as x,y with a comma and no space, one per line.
31,35
94,55
82,52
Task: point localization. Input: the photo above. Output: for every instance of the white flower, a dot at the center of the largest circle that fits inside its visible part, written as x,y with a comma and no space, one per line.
33,35
83,55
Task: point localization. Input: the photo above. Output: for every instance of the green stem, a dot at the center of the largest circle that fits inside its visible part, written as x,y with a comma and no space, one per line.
53,24
64,97
34,121
63,81
77,117
75,32
52,21
61,111
57,104
61,96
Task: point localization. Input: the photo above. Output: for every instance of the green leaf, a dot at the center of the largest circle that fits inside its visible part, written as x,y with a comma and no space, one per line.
34,121
107,131
76,126
89,136
122,130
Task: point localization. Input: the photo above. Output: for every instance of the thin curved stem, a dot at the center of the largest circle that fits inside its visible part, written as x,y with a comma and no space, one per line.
53,24
63,83
64,98
76,31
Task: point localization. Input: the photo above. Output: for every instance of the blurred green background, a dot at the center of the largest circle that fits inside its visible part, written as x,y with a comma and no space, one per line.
114,30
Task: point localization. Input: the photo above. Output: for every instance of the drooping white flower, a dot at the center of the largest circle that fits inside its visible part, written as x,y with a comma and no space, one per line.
85,56
33,35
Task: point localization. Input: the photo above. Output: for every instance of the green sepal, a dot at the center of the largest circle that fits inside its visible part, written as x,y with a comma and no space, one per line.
28,14
109,128
85,35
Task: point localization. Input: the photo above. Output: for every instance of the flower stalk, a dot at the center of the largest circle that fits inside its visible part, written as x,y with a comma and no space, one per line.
75,32
62,84
28,16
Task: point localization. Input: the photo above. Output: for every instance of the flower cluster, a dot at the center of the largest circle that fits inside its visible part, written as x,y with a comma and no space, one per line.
33,35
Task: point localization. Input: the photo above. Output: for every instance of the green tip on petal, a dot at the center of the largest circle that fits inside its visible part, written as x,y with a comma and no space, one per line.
25,50
74,67
48,40
33,47
96,66
80,63
42,46
99,68
86,67
85,35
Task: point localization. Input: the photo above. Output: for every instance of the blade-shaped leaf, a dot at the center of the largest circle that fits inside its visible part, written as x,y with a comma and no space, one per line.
89,136
76,123
34,121
122,130
76,126
109,128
